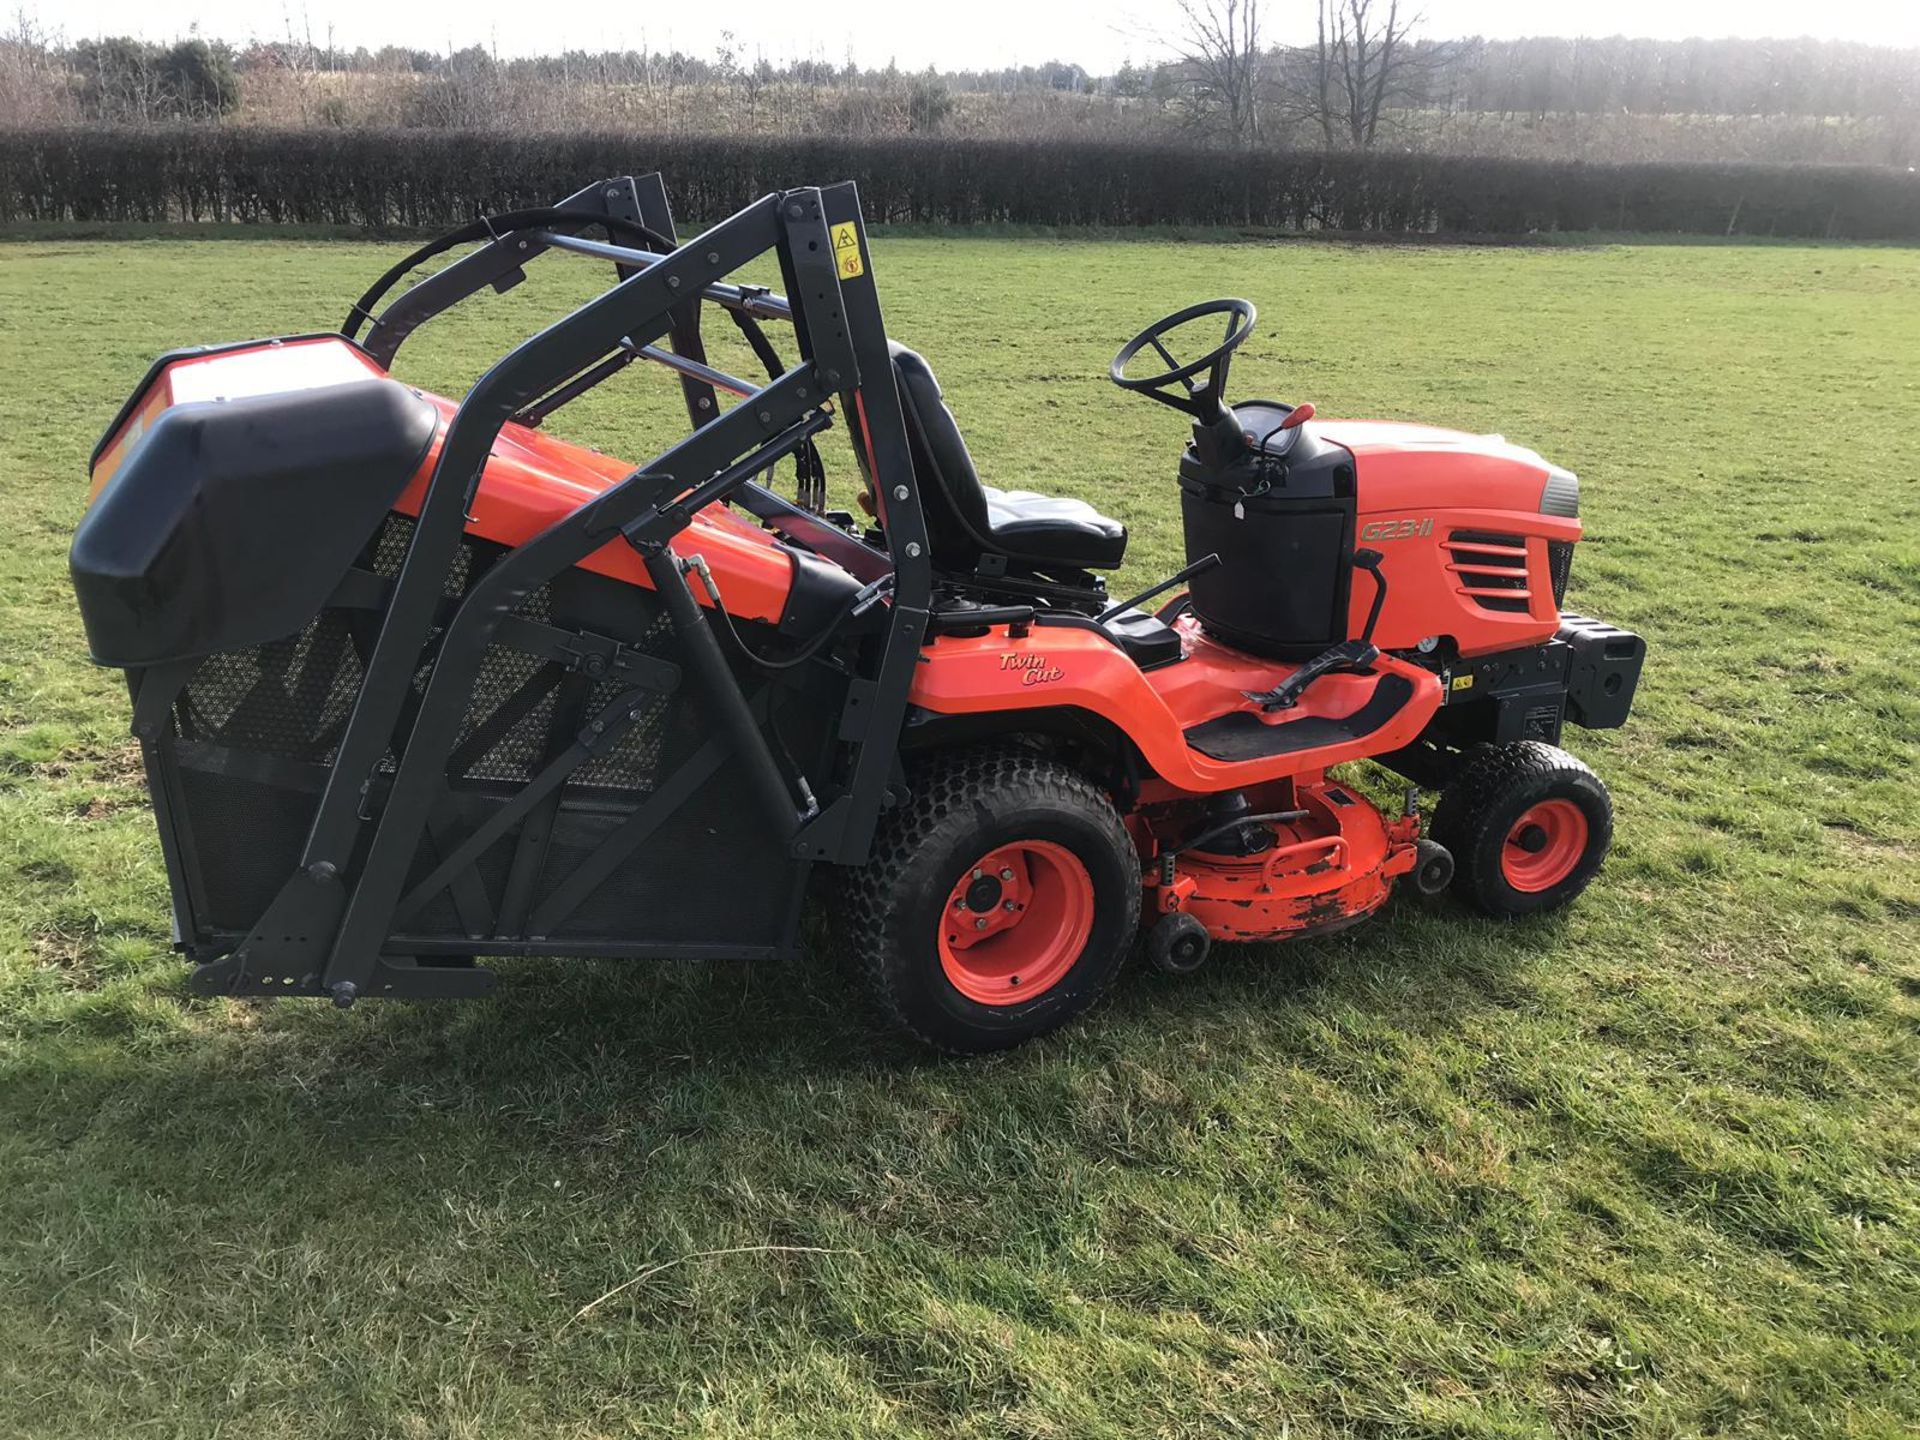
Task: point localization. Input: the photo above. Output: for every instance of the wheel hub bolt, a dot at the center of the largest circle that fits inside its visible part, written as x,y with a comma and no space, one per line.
982,894
981,923
1006,874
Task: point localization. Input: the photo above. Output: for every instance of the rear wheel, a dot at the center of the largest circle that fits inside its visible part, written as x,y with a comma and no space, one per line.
999,903
1528,826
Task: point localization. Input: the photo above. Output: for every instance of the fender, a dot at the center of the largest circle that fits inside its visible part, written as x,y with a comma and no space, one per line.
1077,667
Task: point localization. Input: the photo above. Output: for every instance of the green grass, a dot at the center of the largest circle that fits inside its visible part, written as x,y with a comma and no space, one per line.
1652,1167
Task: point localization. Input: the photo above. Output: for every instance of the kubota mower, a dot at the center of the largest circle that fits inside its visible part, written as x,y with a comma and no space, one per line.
418,682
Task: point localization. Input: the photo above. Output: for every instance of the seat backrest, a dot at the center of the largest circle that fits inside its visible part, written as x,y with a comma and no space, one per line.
958,526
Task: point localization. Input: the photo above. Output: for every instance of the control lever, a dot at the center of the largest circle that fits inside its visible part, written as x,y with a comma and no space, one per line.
1369,561
1198,567
1347,656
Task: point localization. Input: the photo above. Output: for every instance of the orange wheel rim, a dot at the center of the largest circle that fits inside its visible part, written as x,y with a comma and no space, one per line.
1015,922
1544,846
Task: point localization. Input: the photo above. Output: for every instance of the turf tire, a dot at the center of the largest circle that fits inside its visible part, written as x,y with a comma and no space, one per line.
963,805
1494,786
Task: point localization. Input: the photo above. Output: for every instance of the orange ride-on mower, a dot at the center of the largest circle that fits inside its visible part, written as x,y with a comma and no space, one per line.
417,682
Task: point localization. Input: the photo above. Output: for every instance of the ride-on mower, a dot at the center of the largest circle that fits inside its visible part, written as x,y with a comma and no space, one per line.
418,682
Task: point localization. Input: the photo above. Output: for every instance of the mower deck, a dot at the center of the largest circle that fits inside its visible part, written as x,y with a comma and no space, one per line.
1331,864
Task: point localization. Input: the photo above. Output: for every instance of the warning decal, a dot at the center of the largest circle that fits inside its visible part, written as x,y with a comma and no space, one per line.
846,250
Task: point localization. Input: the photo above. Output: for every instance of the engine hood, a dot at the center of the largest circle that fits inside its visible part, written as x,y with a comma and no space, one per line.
1371,437
1400,464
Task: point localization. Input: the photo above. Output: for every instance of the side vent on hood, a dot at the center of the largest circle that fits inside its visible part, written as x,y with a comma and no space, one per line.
1560,566
1491,569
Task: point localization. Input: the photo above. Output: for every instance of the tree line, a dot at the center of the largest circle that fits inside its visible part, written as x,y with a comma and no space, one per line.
1367,74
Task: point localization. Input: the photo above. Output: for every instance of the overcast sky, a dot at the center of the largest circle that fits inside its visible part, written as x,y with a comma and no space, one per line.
954,34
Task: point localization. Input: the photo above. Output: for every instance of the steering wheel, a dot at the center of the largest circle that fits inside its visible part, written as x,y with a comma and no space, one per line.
1200,399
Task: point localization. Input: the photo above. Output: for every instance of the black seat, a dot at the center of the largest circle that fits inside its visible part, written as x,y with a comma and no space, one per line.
967,521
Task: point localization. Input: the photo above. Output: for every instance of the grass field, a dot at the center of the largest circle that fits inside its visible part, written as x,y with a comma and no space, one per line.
1650,1168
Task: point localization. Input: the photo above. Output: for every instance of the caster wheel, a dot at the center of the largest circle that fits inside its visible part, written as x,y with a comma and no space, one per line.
1178,944
1432,867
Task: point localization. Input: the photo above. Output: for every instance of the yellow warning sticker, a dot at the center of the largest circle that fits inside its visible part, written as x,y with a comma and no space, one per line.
846,250
1463,682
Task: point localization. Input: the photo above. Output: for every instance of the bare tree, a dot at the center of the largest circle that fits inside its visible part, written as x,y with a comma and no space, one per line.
33,84
1221,66
1363,59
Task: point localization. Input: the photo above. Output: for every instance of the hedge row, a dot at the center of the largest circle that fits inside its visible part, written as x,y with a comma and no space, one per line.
412,179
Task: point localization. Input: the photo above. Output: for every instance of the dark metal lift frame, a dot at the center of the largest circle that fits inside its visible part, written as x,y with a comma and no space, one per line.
328,925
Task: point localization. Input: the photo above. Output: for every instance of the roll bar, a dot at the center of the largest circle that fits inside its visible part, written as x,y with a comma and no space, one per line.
761,304
516,237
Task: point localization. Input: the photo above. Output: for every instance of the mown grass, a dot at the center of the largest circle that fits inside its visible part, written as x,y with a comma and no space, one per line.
1649,1168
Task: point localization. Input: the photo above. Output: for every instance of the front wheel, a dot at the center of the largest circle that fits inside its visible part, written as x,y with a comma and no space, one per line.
1528,826
999,902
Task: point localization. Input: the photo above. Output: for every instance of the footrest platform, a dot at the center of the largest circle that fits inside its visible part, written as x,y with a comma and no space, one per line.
1242,735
